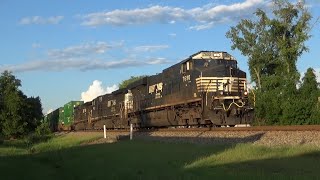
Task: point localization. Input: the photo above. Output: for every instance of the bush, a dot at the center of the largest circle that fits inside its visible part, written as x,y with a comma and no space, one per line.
35,138
43,129
1,140
42,133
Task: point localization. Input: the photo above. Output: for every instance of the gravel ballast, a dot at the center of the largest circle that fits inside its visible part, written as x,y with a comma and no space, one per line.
267,138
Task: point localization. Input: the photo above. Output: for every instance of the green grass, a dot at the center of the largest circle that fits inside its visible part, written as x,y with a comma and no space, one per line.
62,158
24,146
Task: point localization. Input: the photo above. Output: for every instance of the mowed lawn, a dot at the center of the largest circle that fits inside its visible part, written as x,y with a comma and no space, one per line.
64,158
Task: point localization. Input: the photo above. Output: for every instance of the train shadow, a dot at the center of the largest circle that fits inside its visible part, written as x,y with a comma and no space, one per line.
296,166
202,137
137,159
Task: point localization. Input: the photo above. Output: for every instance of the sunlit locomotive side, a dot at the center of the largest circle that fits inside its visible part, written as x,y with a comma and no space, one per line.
206,89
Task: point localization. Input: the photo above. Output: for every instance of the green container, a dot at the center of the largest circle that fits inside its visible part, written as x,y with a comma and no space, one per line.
61,115
68,111
52,120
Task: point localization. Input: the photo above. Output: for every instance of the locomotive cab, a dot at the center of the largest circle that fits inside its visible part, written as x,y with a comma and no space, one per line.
223,88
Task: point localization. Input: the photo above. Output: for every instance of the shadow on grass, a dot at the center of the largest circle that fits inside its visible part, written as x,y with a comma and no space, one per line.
26,141
299,166
122,160
139,159
155,157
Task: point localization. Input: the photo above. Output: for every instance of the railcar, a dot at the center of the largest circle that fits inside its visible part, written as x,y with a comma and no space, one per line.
52,119
64,118
206,89
82,116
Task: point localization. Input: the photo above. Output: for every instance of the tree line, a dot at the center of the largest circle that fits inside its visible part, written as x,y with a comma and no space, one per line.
19,115
273,43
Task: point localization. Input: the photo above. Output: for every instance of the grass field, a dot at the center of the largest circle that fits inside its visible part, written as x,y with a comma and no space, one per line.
63,158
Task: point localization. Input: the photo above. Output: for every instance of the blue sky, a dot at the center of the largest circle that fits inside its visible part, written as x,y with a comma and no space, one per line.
72,50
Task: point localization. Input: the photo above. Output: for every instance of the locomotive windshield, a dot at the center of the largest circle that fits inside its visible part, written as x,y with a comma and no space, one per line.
215,67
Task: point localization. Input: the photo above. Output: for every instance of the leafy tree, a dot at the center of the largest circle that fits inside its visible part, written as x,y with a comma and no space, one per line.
303,108
43,129
310,97
273,45
11,106
309,86
19,114
132,79
32,113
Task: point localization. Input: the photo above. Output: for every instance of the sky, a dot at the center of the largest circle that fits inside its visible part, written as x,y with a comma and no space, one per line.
65,50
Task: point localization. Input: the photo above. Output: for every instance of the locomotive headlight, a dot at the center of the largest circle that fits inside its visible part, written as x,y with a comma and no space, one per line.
245,93
221,92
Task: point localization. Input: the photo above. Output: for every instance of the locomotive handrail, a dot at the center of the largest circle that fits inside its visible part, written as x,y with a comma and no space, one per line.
240,106
171,104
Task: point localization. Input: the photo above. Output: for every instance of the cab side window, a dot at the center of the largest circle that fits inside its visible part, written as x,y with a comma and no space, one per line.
185,67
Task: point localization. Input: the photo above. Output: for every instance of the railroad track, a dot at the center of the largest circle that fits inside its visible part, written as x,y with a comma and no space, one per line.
253,128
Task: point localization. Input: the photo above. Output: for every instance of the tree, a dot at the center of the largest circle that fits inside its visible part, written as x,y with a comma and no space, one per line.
32,113
11,106
309,96
19,114
273,46
132,79
309,86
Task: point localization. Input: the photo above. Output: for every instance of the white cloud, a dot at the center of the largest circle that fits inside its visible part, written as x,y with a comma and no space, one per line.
82,50
201,26
136,16
122,63
157,61
49,111
85,57
45,65
172,35
96,89
150,48
205,16
36,45
80,64
40,20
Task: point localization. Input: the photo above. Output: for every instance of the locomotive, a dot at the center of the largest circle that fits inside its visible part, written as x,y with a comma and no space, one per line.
206,89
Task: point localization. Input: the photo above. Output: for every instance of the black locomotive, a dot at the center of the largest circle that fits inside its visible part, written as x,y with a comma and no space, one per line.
206,89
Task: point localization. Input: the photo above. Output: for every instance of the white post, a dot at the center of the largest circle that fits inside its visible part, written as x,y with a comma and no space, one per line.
131,129
104,131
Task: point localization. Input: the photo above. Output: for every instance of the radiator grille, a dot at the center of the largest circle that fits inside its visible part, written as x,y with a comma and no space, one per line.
226,84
